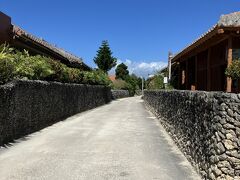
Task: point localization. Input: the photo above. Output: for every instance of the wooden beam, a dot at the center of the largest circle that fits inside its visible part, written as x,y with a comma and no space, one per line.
202,40
179,75
183,75
208,44
209,70
199,41
220,31
229,62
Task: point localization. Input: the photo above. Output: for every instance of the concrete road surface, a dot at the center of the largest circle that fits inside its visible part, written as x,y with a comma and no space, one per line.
121,140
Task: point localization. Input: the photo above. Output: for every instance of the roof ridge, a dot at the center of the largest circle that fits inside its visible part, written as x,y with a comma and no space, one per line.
199,38
228,20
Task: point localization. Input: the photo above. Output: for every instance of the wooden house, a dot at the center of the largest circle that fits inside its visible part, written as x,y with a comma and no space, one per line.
202,64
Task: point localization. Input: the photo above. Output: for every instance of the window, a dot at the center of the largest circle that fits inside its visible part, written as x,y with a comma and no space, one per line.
236,54
234,84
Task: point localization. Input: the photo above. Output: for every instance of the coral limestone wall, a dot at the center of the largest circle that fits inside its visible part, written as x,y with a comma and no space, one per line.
28,106
205,126
117,94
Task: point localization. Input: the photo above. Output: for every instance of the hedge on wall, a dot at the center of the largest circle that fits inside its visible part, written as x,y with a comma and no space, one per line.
20,65
233,70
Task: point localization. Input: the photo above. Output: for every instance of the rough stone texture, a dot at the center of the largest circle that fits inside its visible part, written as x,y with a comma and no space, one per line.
28,106
205,126
117,94
232,20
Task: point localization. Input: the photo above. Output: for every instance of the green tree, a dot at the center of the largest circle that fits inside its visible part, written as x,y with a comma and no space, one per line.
139,82
16,64
104,59
121,71
132,81
155,82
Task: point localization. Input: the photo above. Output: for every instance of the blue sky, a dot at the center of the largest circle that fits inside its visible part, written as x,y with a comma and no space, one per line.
140,32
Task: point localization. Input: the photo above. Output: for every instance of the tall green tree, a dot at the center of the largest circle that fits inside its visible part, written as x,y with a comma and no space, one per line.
121,71
140,81
104,59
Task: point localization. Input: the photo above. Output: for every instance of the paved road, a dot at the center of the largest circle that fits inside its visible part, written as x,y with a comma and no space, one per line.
116,141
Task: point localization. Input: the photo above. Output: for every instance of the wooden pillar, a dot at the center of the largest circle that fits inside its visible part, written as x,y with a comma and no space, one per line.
179,75
196,70
229,62
209,70
183,75
187,76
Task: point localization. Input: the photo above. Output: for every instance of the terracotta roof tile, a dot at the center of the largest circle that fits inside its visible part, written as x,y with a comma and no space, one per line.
112,77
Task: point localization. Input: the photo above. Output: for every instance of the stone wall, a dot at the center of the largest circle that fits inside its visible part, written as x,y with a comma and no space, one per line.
205,126
28,106
117,94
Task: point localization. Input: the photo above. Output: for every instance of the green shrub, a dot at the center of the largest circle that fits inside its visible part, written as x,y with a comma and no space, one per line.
7,64
32,67
7,67
41,68
75,75
132,81
96,77
120,84
88,78
102,78
20,65
233,70
61,73
156,82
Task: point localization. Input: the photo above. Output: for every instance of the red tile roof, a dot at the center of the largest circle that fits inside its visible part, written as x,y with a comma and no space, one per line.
112,77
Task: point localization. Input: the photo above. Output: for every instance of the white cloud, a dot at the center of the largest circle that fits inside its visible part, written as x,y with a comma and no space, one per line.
142,68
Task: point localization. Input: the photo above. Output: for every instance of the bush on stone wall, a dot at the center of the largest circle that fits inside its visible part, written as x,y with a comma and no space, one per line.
120,84
233,70
155,82
20,65
130,83
7,65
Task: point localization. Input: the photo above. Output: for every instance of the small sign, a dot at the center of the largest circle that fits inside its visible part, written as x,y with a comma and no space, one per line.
165,80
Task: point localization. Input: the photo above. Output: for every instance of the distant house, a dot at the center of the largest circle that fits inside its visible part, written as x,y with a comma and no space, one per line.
20,39
202,64
112,77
